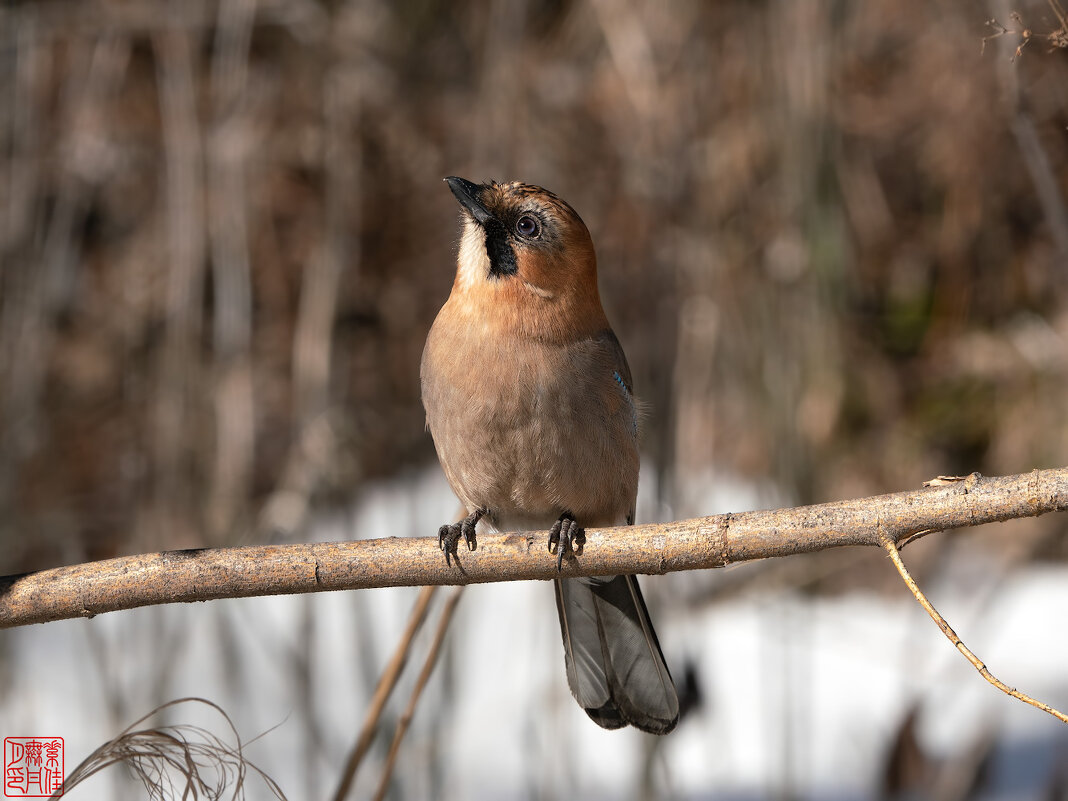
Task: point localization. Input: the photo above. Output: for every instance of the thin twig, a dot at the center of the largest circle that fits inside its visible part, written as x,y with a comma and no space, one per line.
951,635
424,677
386,682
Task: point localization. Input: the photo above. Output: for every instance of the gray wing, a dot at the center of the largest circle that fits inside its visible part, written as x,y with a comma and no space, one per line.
615,667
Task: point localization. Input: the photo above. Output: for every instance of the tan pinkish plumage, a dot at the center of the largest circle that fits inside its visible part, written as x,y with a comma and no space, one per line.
528,399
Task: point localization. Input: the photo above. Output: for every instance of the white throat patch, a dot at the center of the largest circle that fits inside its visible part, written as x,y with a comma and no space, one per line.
473,264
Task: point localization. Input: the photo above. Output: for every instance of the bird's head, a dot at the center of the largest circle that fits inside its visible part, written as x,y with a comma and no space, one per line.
523,247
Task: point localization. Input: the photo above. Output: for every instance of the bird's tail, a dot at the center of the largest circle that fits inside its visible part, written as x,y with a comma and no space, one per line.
615,667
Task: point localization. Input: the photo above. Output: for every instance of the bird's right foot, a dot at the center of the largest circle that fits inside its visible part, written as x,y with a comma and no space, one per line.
449,535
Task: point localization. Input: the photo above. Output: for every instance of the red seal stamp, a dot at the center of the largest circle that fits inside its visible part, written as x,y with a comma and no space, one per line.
33,767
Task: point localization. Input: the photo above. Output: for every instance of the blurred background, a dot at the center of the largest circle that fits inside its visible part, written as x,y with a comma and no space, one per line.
833,241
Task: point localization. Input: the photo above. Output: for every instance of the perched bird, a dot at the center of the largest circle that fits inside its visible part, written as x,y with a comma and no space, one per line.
528,399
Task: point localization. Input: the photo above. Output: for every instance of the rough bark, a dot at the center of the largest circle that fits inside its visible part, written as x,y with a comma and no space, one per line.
89,589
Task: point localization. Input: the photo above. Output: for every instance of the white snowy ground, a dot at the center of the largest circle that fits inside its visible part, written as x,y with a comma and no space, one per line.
801,695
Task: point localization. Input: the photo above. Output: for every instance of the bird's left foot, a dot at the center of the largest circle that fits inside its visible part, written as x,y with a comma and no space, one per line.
566,537
449,535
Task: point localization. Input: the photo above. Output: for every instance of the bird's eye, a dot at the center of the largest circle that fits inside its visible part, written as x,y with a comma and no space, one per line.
527,226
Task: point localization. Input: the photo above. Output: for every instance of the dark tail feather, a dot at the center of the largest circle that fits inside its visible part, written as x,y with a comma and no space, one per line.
615,667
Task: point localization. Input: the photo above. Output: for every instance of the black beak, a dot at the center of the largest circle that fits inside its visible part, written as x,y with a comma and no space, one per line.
467,193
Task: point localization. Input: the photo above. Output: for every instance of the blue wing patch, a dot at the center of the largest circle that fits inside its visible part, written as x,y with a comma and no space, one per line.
630,402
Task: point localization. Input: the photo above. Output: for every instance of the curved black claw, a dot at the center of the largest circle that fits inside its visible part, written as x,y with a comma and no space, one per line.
566,537
449,535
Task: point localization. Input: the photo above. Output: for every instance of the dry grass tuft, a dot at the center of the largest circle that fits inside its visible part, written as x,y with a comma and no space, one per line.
178,761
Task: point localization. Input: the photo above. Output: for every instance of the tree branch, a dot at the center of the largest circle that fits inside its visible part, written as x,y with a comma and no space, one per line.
201,575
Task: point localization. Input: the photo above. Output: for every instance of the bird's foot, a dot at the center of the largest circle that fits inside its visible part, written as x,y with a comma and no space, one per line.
449,535
566,538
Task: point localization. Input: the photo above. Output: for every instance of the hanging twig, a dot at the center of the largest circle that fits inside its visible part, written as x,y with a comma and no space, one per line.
951,635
